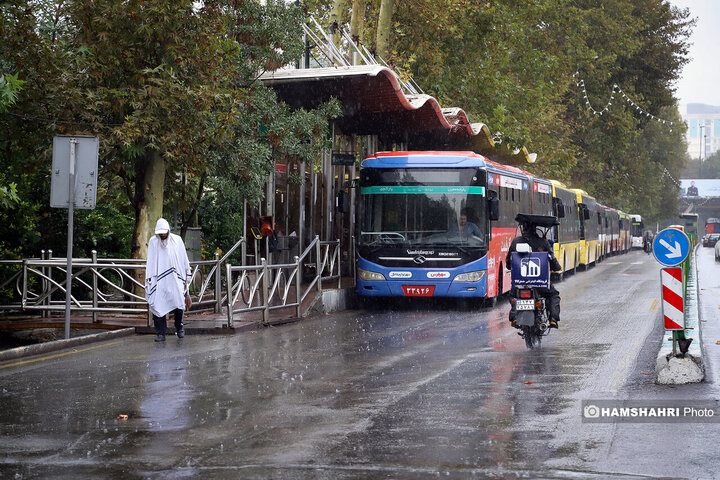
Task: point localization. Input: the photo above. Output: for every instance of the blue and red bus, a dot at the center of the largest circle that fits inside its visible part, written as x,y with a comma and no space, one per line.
438,224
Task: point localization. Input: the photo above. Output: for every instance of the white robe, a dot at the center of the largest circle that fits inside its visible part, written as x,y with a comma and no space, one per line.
167,272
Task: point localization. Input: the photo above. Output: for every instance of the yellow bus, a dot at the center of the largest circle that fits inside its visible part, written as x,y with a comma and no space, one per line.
590,228
566,235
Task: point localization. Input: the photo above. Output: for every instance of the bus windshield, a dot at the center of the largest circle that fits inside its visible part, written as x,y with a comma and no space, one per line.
637,229
423,207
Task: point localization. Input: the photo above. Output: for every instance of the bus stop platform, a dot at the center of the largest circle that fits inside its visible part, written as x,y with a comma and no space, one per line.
37,329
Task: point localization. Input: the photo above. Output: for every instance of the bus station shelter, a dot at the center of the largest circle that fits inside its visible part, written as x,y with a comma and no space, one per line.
377,115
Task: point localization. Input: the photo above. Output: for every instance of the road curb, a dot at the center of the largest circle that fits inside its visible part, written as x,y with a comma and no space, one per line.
691,369
190,330
55,345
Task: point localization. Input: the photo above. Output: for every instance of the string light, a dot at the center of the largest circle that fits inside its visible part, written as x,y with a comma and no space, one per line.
625,97
666,173
694,204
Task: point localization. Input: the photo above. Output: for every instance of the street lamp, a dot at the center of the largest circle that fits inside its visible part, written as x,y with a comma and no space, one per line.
702,143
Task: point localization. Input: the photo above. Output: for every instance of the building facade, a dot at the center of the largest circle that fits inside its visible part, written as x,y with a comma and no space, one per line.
703,133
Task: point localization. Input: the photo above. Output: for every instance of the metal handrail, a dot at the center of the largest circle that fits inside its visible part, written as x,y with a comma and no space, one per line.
263,287
38,273
267,278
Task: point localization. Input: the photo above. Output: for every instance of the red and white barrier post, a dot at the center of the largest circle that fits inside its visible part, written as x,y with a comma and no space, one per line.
673,300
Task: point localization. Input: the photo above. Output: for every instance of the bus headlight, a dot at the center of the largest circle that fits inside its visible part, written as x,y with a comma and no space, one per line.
470,276
370,276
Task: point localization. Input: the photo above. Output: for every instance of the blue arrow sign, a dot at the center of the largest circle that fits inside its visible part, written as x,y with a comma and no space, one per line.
671,247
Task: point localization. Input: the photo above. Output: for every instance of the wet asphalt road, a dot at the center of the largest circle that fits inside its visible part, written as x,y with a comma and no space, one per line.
401,391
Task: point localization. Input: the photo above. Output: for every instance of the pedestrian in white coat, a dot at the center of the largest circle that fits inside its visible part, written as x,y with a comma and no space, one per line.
167,273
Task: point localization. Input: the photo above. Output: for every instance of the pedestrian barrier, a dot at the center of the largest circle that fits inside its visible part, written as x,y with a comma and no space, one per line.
267,287
112,286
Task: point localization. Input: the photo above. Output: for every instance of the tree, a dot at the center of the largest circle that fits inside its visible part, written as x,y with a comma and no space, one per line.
640,47
170,87
709,168
26,57
512,65
9,86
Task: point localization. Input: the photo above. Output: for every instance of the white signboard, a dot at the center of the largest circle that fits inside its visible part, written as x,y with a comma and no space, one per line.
542,188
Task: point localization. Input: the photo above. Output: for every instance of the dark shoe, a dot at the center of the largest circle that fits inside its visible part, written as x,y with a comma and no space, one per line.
553,324
159,338
181,333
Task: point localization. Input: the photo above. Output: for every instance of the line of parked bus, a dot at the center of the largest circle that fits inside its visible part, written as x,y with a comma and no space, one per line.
601,230
414,215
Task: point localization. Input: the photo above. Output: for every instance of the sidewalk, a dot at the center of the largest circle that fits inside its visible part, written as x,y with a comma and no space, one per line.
709,313
196,323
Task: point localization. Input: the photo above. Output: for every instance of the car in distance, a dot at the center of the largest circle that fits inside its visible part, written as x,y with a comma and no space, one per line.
711,239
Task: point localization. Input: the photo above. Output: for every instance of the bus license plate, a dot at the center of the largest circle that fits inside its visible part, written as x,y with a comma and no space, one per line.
418,290
525,305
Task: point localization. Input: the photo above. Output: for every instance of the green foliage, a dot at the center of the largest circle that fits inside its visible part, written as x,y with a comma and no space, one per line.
709,168
9,87
510,65
175,77
641,47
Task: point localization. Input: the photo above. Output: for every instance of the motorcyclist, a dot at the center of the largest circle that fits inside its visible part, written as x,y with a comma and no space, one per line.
647,242
537,244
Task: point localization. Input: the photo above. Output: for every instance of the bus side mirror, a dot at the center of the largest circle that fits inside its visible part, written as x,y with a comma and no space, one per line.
584,211
493,207
559,207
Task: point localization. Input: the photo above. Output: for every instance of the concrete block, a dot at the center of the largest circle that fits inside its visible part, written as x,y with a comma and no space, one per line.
676,371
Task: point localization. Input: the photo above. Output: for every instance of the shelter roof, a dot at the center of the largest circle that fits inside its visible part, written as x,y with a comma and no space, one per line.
373,102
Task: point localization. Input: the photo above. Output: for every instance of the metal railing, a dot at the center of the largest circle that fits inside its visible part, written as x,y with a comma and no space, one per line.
346,52
103,285
111,286
268,287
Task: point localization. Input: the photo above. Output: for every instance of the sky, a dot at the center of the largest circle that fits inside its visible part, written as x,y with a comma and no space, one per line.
700,80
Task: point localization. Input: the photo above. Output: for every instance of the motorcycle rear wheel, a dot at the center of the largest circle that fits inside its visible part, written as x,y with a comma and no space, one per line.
532,336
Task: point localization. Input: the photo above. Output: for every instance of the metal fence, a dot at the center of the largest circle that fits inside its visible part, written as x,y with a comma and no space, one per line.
111,286
268,287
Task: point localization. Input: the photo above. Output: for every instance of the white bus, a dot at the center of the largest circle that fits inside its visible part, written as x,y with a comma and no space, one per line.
637,228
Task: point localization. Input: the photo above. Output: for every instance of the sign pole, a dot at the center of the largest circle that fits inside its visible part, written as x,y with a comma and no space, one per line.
71,208
671,248
82,153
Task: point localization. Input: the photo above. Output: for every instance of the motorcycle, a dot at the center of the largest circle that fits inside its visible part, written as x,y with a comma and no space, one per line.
531,315
531,272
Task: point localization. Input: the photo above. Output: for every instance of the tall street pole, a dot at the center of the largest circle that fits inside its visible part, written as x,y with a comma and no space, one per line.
702,142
